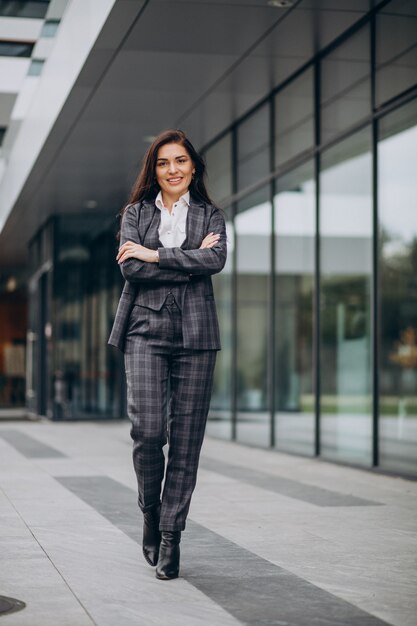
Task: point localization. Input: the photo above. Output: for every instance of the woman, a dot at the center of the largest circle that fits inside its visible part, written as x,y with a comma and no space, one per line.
172,239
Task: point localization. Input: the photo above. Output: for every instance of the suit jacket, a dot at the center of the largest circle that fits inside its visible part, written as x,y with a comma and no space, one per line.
188,267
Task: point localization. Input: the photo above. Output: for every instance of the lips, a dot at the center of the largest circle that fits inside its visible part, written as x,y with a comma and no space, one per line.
174,181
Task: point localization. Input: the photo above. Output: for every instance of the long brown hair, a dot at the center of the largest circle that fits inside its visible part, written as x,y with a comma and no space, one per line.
146,187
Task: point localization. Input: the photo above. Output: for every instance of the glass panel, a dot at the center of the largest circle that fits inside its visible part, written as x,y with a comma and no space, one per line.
219,167
15,49
294,118
11,8
35,67
253,232
49,28
345,85
396,49
13,316
295,227
253,137
87,376
397,199
346,271
219,423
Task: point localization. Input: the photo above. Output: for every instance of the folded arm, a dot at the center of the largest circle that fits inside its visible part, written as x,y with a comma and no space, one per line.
137,271
203,260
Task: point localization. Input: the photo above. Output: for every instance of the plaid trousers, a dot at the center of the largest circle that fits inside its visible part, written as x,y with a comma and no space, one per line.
168,398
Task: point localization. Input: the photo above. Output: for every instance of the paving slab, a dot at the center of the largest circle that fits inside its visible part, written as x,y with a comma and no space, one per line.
272,539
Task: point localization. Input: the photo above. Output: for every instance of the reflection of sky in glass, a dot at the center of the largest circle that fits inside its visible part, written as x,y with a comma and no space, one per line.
294,214
345,204
346,198
255,221
398,188
295,211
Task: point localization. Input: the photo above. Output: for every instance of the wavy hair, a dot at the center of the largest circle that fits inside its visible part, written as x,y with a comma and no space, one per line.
146,187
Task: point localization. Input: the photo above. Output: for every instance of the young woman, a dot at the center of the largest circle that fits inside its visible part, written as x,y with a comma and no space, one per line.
172,239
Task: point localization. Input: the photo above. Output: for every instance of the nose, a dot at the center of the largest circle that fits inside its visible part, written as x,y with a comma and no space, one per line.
172,167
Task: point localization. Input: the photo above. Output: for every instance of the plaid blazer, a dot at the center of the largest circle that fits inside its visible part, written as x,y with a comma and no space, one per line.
147,284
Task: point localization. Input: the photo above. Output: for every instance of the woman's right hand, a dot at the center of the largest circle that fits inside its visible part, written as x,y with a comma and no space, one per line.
209,240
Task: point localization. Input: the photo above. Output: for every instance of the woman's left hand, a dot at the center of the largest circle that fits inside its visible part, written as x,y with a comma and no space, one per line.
130,250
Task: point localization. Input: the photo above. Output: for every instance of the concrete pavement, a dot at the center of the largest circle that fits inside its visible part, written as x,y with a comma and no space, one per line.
272,539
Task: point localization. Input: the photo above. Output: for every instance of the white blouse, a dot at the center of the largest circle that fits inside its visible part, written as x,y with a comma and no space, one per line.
173,225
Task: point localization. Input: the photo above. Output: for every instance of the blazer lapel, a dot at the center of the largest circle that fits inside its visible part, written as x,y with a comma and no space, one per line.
195,225
149,221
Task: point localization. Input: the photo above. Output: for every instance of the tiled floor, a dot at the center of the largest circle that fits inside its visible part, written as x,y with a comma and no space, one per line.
271,539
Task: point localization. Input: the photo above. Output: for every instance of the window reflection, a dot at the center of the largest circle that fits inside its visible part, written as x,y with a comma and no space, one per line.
253,141
253,227
220,417
294,208
397,156
219,167
346,271
13,350
294,118
345,85
396,49
86,375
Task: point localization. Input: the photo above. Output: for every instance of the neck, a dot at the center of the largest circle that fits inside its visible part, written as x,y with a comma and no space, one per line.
169,200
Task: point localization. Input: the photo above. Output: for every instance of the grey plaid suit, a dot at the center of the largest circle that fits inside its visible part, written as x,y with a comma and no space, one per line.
166,324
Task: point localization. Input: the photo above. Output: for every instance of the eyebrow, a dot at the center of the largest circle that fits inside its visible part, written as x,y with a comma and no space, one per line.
179,156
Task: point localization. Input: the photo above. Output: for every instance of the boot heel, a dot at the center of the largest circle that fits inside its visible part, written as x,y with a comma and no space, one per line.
168,564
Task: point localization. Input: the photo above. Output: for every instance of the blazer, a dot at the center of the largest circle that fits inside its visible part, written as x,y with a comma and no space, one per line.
188,267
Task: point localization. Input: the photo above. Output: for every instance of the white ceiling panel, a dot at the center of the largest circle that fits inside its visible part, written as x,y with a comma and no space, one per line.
20,28
12,73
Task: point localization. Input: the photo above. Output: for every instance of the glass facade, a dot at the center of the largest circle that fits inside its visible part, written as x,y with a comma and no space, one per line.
28,8
295,231
318,301
396,49
321,332
253,151
397,193
222,398
15,49
345,88
13,315
253,262
73,297
294,118
345,299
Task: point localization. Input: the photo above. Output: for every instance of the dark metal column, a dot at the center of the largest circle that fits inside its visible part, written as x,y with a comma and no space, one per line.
316,315
375,260
234,291
272,320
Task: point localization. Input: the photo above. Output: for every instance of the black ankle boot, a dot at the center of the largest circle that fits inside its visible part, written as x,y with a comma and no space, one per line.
169,555
151,534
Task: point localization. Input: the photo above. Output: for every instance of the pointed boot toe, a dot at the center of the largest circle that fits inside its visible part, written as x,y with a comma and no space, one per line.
168,564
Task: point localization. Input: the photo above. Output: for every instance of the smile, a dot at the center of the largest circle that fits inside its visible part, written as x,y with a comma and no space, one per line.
174,181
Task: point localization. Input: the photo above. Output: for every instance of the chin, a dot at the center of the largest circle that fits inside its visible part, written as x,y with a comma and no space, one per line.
177,190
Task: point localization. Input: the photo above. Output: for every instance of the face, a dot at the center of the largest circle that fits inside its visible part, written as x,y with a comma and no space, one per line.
174,169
